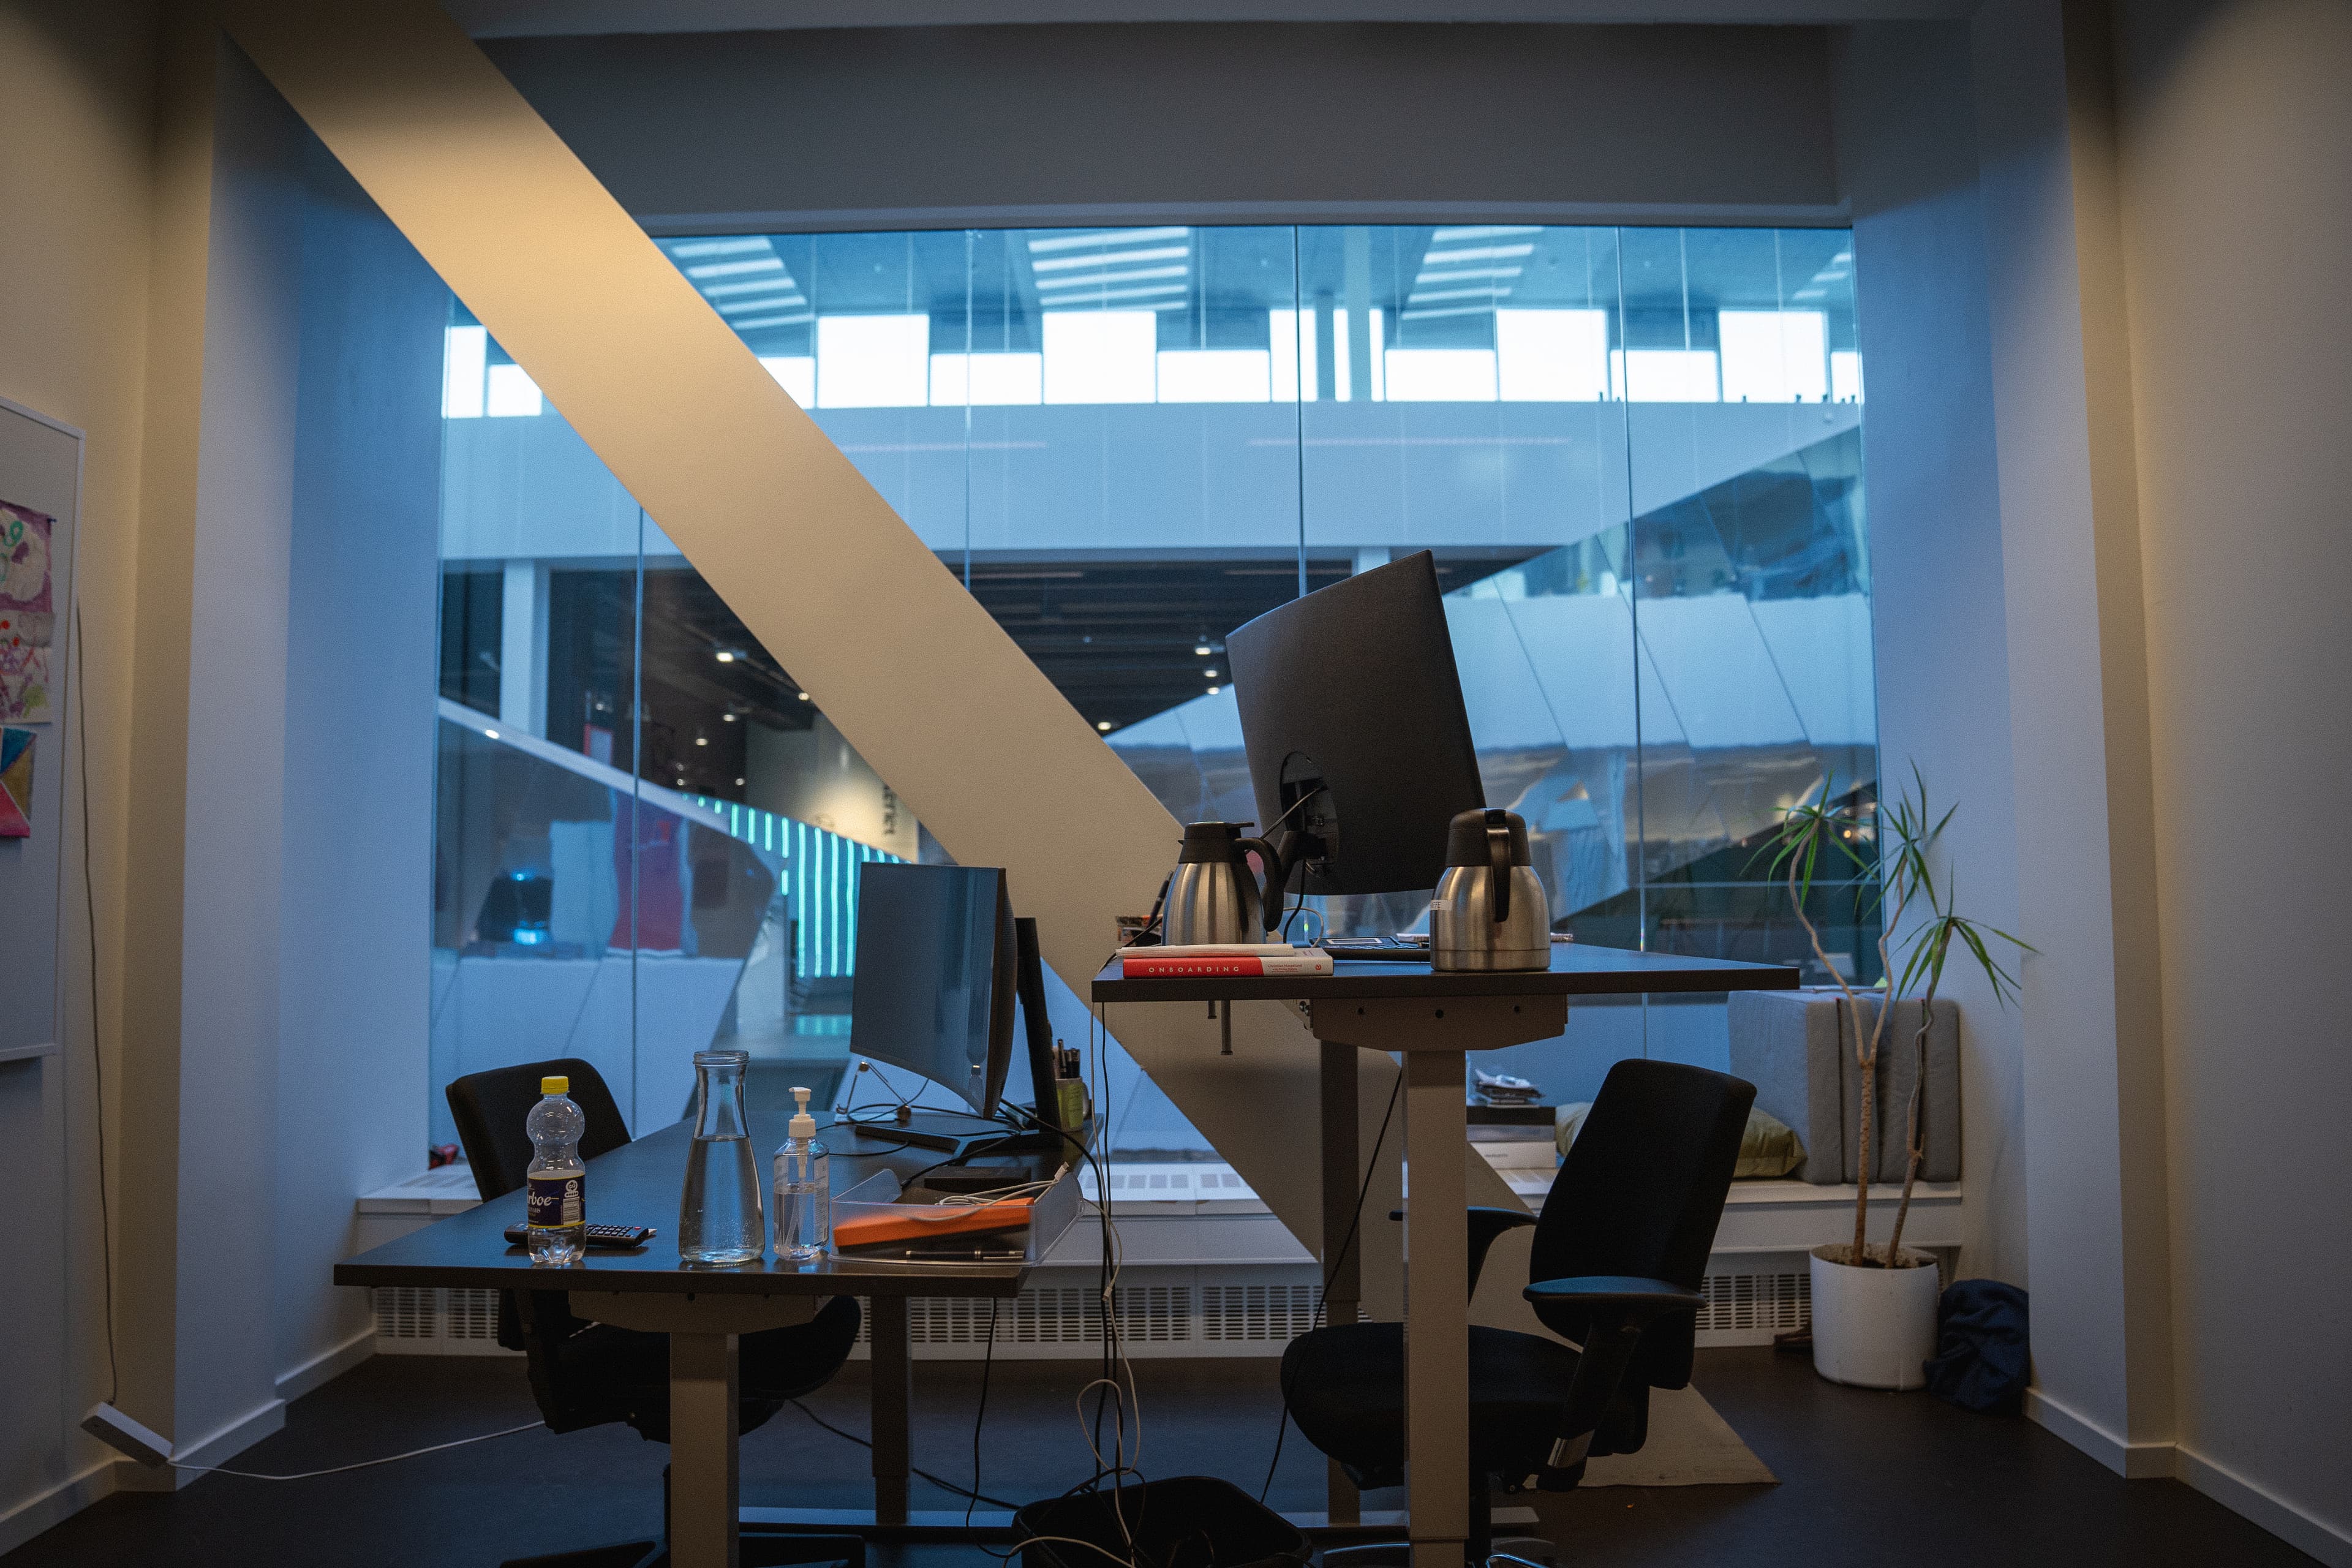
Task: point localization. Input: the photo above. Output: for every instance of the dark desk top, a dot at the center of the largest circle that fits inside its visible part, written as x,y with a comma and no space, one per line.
1577,969
640,1184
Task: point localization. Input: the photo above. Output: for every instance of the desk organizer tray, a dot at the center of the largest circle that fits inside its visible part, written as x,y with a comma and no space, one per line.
870,1225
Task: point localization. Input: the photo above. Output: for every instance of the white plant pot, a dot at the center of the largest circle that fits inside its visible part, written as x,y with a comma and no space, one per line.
1874,1327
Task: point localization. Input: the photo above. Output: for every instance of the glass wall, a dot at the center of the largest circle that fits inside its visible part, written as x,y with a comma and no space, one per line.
1635,453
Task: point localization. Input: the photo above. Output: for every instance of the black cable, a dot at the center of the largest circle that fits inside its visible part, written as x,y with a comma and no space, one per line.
1282,1422
987,1363
96,1056
936,1480
1362,1192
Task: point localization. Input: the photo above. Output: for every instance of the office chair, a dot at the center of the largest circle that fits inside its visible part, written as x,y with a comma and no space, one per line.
583,1374
1618,1254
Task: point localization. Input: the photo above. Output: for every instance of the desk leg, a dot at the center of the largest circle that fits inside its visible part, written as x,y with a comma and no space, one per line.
894,1394
1343,1275
705,1478
1437,1312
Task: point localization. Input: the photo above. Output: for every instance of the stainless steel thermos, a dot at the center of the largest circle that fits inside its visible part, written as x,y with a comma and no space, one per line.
1490,912
1212,895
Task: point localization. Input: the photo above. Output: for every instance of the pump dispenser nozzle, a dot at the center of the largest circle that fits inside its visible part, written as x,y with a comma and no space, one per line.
802,1124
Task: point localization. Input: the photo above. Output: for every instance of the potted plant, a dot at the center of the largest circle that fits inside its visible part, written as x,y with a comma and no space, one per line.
1873,1310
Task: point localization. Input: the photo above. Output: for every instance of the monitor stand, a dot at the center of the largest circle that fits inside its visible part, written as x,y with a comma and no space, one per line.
958,1134
954,1133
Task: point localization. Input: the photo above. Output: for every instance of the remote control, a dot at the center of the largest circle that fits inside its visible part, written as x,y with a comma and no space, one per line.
604,1235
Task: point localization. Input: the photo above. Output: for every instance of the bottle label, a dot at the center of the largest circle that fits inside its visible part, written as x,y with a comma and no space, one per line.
558,1203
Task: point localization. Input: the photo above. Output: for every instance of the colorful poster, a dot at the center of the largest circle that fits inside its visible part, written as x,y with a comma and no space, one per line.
16,783
28,619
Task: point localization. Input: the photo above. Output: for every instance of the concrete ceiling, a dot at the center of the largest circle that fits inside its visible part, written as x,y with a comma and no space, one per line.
525,18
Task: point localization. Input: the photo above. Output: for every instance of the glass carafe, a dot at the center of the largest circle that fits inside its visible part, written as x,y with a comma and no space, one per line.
720,1218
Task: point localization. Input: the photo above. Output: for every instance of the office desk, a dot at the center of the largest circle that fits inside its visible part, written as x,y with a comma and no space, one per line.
704,1310
1434,1019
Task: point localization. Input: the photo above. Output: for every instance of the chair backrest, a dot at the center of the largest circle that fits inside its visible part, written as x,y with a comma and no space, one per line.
489,1108
1641,1193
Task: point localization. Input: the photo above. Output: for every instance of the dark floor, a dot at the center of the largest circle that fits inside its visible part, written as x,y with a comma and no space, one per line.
1866,1479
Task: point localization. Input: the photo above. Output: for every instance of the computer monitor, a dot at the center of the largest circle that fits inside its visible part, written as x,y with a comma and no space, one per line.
924,999
937,966
1038,1026
1359,744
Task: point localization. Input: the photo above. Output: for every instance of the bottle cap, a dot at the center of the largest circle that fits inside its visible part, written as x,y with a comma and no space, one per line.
803,1125
555,1085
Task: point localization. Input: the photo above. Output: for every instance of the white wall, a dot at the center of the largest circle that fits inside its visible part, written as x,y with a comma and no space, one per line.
1906,137
2236,133
196,480
78,170
2107,468
355,933
221,1213
2078,701
880,128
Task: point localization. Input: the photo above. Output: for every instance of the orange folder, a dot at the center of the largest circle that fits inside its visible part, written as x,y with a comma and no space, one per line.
922,1220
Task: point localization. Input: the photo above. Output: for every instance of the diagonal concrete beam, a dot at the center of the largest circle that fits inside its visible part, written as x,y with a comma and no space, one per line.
781,525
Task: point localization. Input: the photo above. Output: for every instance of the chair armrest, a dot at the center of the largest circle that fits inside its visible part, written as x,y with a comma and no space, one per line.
1638,1301
1485,1225
1617,1307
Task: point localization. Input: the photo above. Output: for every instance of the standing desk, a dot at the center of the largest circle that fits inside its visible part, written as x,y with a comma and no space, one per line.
705,1310
1434,1019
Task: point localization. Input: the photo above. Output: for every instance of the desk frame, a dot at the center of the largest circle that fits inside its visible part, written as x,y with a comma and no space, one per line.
706,1313
1433,1020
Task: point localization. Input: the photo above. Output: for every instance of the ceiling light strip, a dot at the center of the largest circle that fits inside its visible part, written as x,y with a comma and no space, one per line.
1058,242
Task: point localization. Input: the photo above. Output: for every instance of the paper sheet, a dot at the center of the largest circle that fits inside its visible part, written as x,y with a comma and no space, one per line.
28,619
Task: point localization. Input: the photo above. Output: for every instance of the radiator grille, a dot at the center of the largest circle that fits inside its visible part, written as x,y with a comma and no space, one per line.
1046,1315
1756,1303
1258,1313
415,1321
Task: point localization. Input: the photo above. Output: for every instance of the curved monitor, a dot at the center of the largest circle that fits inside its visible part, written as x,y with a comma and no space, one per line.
936,975
1358,744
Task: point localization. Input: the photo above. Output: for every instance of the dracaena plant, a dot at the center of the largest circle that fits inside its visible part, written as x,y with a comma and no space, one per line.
1813,836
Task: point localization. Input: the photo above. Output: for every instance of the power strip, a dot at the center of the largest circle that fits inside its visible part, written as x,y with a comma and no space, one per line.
120,1433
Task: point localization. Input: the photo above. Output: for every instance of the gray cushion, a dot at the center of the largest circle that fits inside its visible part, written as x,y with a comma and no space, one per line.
1798,1049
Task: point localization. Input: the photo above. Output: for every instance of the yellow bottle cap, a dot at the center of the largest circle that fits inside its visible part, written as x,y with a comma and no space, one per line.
555,1085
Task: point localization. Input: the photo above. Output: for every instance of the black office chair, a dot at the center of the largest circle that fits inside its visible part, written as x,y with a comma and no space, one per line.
584,1374
1619,1255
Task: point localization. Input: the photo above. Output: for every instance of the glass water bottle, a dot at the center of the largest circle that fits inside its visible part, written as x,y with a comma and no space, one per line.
720,1218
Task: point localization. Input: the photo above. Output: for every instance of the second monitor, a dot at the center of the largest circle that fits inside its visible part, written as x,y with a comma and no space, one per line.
940,965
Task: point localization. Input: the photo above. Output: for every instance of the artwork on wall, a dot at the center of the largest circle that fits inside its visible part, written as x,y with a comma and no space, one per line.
28,619
16,782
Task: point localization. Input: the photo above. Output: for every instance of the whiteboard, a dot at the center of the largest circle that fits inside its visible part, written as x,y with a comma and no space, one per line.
40,468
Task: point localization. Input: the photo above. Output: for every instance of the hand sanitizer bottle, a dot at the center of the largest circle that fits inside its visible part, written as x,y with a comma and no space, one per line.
803,1190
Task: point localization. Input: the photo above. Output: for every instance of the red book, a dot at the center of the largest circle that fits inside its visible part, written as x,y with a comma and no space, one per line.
1143,963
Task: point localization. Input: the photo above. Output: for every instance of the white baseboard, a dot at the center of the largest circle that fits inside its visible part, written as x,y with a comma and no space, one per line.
218,1448
2281,1518
2156,1461
326,1366
59,1503
2133,1461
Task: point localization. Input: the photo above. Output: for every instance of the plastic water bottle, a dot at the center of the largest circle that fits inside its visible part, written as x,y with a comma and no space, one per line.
803,1190
558,1182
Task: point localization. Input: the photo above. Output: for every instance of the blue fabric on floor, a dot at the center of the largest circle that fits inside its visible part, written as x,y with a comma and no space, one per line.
1982,1347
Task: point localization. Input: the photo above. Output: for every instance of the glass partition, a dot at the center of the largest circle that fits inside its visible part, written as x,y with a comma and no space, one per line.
1634,452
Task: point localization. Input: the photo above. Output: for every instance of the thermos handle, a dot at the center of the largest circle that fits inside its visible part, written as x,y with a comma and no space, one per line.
1498,864
1269,907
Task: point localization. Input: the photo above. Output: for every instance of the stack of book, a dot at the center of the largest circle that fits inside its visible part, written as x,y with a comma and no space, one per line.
1502,1088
